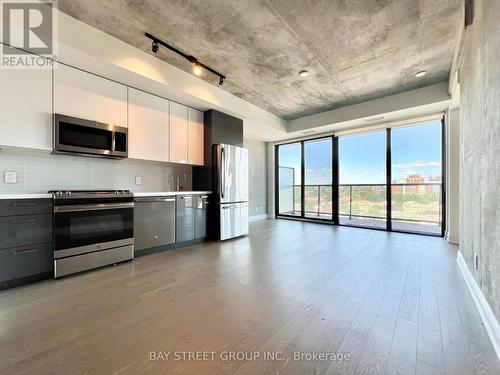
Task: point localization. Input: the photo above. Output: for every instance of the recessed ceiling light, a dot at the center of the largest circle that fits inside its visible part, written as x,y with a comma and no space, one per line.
420,74
309,132
304,73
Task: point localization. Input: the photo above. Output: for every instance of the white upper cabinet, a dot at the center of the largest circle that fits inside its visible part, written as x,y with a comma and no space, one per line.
84,95
148,126
26,108
195,137
178,133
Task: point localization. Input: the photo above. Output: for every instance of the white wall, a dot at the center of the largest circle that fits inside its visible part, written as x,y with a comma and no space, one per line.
257,155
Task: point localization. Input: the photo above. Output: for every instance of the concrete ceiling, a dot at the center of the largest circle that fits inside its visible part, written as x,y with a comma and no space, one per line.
356,50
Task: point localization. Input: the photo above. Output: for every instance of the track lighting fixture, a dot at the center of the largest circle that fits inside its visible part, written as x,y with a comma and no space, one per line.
197,66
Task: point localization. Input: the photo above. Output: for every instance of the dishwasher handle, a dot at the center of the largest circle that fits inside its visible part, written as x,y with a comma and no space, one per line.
152,200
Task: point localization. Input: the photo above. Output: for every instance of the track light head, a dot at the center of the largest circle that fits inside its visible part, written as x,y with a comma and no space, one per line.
155,46
197,69
221,81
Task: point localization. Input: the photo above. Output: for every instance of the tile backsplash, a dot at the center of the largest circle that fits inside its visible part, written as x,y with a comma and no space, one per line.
40,171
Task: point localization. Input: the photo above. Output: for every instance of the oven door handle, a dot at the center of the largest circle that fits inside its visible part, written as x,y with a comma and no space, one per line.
92,207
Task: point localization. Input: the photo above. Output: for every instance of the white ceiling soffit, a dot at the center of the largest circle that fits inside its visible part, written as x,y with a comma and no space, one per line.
368,129
406,107
394,124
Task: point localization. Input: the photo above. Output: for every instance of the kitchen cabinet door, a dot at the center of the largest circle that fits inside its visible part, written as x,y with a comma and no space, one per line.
148,126
201,207
85,95
178,133
185,223
195,137
26,108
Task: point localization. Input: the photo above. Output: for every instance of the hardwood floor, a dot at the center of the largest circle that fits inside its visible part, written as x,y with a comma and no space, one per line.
395,303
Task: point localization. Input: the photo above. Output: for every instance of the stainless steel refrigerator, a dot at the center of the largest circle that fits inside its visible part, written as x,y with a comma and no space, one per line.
231,181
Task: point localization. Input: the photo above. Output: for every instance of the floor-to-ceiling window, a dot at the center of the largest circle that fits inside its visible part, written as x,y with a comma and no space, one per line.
289,159
362,180
318,186
417,178
390,179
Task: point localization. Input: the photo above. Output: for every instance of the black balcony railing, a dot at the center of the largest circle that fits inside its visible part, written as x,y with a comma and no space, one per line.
418,203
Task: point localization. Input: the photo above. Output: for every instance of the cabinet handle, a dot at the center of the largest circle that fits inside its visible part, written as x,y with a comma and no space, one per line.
140,200
22,252
23,221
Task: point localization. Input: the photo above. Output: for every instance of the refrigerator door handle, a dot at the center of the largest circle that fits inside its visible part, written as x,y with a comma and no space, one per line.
222,174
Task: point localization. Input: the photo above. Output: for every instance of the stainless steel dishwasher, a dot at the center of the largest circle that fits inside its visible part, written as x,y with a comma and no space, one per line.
154,222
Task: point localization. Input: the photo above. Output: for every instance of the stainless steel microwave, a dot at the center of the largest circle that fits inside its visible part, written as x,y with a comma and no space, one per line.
89,138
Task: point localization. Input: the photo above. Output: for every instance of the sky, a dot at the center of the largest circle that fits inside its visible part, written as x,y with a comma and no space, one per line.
415,150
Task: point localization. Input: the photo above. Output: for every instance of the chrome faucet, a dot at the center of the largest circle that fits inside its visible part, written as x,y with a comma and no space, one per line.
181,186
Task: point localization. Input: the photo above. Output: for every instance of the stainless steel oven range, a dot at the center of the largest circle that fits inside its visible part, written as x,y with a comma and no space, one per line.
92,229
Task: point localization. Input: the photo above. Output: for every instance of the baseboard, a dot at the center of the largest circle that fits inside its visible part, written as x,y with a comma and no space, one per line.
487,315
257,217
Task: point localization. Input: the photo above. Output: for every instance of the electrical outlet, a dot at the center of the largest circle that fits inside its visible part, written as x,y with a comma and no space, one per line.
10,177
476,261
138,180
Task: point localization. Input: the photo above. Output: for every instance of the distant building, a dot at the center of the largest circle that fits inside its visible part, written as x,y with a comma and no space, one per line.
415,179
417,185
414,189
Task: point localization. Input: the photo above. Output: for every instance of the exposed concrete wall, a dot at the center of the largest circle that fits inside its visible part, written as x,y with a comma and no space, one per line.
480,151
453,175
257,165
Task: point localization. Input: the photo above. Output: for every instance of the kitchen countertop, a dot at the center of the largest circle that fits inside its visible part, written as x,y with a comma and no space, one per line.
138,195
26,196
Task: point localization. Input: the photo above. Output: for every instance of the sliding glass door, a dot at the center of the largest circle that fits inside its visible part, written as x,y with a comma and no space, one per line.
318,186
390,179
362,180
289,173
417,201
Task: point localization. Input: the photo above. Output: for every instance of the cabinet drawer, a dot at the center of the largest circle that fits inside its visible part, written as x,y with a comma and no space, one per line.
25,261
11,207
25,230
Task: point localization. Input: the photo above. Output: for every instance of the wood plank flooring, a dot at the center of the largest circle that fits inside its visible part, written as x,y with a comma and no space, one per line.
395,303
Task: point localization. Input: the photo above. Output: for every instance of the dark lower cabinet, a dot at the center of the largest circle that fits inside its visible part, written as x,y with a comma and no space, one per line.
25,230
23,264
191,217
26,250
185,218
201,206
